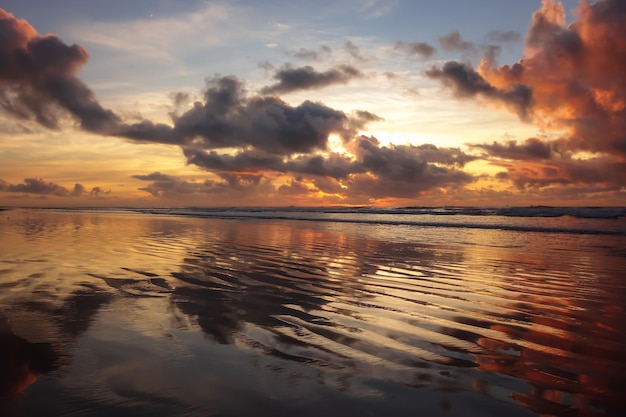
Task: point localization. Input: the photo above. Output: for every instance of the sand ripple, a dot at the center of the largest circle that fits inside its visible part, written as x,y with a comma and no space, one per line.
542,317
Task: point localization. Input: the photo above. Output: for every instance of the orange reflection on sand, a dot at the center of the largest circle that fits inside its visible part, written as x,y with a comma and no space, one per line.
21,363
561,337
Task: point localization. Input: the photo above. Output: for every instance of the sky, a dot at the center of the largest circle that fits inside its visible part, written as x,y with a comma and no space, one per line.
169,103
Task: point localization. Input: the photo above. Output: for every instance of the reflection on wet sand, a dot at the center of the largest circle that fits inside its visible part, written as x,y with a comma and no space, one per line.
36,338
329,308
22,362
566,341
296,316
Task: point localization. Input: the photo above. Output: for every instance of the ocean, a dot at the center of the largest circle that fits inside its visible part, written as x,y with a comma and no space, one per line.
334,311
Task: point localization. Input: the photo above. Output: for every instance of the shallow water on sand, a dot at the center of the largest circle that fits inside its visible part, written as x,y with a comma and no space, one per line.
118,313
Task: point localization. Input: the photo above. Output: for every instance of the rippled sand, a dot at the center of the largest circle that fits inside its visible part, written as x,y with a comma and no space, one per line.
131,314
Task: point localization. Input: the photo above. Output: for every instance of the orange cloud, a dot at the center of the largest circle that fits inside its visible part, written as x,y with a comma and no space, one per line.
577,74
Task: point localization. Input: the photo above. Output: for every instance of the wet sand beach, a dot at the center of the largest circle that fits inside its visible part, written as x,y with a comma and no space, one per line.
108,312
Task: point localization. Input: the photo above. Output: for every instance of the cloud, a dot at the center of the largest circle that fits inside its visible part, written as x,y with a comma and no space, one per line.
39,71
38,81
307,78
602,173
454,42
332,165
393,171
244,161
409,163
420,49
311,55
169,186
261,133
577,73
41,187
97,191
229,118
466,82
530,149
504,36
162,184
354,51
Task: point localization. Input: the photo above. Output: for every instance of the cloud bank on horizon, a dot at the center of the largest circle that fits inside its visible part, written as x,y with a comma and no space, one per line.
256,148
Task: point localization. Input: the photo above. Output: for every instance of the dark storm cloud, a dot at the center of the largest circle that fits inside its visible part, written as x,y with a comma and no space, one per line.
530,149
362,118
392,171
504,36
38,73
228,118
41,187
258,134
420,49
291,79
333,165
465,82
411,164
38,79
250,161
454,42
387,162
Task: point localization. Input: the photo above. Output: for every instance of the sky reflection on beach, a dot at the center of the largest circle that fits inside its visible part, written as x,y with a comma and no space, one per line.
181,316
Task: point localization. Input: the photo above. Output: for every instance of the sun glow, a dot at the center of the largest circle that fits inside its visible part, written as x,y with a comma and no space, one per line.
335,144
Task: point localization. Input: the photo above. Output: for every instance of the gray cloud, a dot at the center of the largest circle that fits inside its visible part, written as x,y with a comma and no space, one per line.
454,42
530,149
354,51
310,54
228,118
38,81
334,165
291,79
393,171
245,161
162,185
41,187
420,166
420,49
504,36
465,82
261,133
168,186
97,191
37,73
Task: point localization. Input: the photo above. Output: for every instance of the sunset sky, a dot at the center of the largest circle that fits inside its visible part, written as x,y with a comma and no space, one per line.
281,102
